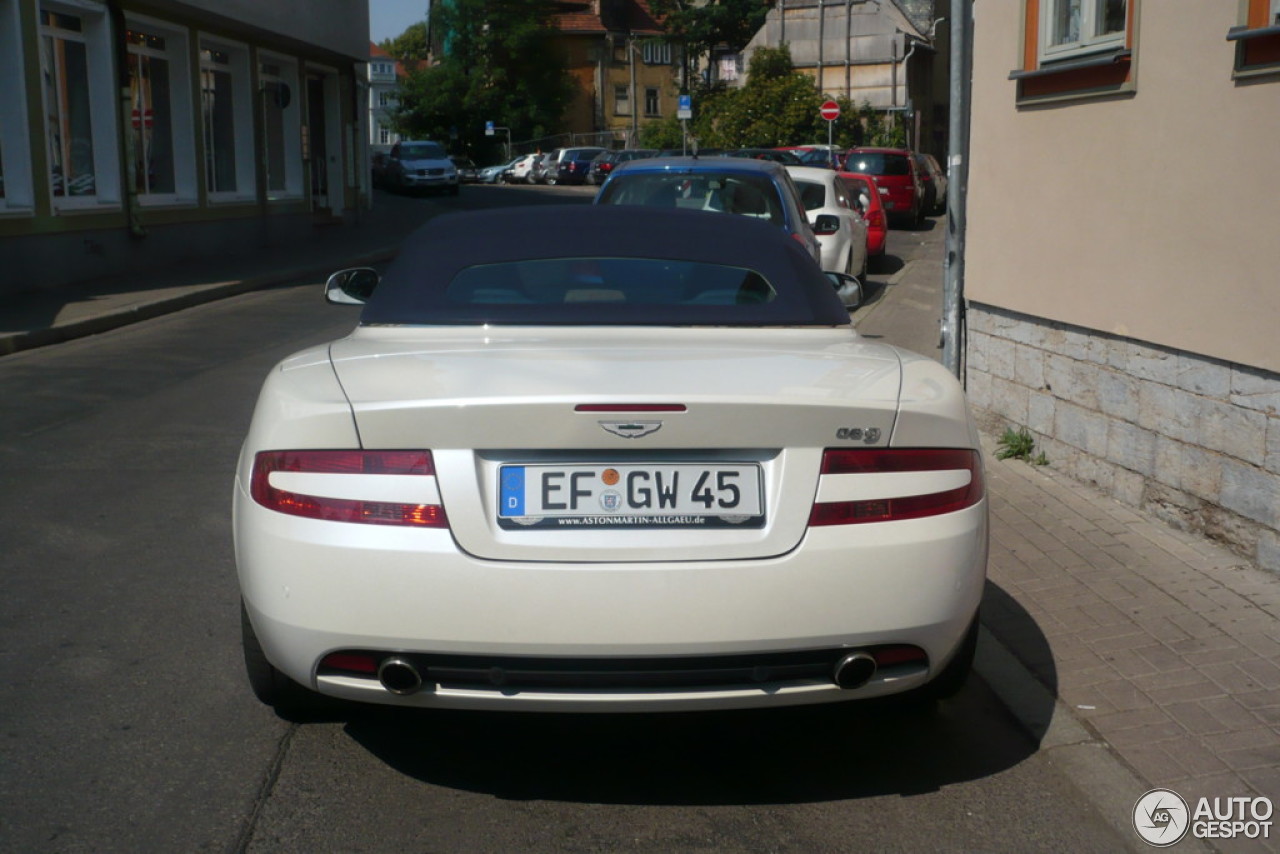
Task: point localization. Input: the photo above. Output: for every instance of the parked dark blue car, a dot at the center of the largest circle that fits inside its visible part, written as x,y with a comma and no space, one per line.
574,166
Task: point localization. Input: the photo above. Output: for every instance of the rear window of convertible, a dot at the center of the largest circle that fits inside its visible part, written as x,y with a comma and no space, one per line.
608,283
590,290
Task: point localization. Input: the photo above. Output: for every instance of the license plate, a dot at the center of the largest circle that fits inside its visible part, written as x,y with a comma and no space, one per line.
641,495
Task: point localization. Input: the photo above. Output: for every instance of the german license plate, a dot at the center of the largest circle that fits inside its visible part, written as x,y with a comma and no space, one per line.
643,495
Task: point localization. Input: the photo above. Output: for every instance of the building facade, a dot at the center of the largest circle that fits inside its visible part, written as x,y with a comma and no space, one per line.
884,54
141,133
385,74
1122,266
625,74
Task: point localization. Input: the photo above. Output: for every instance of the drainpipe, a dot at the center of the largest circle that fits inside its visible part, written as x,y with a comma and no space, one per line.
848,49
635,106
957,187
822,39
892,49
132,210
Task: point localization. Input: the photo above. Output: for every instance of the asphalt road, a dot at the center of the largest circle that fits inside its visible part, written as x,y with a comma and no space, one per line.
128,725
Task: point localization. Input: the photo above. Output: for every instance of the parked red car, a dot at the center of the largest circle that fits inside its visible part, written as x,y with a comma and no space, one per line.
864,187
897,176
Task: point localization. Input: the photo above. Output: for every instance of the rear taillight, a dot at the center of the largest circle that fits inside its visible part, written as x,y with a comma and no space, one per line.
339,463
894,461
875,219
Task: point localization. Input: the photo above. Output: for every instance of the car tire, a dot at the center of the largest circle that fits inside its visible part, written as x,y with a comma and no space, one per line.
551,180
529,179
270,686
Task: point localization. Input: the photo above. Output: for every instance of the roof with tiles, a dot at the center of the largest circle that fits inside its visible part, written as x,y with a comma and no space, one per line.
596,17
402,69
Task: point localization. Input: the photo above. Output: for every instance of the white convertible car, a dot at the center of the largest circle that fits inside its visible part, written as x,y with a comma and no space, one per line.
620,459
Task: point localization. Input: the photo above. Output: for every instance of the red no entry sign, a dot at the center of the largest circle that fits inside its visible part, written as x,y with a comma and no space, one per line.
830,111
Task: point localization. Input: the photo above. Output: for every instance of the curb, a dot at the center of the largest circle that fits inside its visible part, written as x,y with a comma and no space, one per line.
1084,758
198,294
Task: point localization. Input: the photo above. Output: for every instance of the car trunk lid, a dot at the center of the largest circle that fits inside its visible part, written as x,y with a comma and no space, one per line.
746,410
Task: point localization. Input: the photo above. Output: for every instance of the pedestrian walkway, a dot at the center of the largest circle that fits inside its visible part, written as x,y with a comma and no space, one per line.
47,316
1162,644
1156,647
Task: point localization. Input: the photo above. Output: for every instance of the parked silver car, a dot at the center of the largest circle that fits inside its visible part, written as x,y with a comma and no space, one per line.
421,165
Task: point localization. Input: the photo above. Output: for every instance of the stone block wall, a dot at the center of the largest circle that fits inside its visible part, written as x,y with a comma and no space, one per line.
1190,439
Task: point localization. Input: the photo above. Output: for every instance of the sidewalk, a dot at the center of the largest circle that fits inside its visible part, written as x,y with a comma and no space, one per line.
41,317
1155,649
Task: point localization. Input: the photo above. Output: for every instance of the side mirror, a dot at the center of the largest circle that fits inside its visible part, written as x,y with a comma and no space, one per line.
351,287
848,288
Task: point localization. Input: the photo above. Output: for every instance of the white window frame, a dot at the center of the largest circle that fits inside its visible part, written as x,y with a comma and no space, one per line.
1088,42
185,183
95,34
1275,13
657,52
15,138
621,100
238,67
292,123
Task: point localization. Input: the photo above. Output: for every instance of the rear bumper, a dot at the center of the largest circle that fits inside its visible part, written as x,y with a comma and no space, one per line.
313,587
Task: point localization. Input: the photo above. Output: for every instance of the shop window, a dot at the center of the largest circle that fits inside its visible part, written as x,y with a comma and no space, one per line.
160,112
1257,39
78,105
16,190
1076,49
226,118
281,126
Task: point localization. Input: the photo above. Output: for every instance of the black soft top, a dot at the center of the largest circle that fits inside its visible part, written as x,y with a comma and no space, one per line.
422,285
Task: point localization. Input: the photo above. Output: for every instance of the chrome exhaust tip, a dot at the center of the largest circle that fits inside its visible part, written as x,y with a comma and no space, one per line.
854,670
399,676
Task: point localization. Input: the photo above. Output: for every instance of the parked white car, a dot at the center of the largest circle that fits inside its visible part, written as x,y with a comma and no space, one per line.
519,171
836,217
624,459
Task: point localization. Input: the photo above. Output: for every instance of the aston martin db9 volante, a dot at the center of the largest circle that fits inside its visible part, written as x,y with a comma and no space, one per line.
622,459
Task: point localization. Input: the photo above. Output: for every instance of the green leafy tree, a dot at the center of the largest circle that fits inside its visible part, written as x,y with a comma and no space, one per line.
703,26
510,74
777,106
409,46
